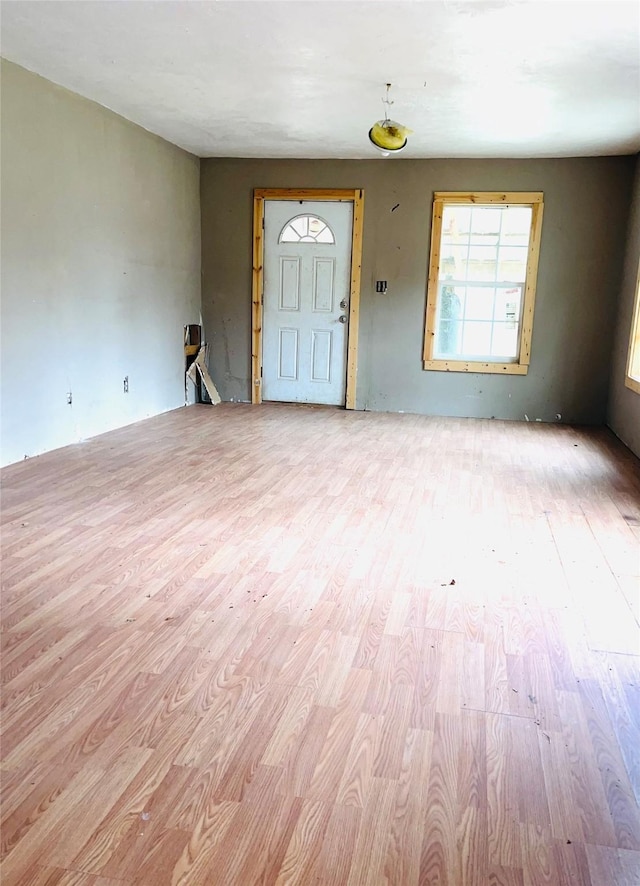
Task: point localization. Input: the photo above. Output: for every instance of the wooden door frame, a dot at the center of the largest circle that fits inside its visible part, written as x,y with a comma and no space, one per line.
342,195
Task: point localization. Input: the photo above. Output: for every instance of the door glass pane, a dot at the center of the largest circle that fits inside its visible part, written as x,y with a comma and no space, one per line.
306,229
325,235
299,227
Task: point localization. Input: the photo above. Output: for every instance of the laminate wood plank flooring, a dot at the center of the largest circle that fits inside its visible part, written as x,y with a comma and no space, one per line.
288,645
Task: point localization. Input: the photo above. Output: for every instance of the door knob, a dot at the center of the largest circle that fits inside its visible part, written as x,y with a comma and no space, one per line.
342,318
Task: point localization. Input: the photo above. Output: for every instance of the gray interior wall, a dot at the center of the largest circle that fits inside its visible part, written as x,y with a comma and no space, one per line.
585,216
624,404
100,267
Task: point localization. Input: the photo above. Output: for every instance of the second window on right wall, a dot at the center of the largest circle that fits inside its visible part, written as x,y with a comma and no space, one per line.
482,281
632,379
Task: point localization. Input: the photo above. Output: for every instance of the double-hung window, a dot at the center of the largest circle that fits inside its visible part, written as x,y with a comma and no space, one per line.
482,281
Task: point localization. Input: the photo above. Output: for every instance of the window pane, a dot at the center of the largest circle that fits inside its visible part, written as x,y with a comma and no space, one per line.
476,339
482,263
512,263
484,240
485,224
479,303
456,222
508,305
451,302
634,361
453,262
448,338
516,224
505,340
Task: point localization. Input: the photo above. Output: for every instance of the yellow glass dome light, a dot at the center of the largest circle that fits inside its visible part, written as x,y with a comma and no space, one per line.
386,135
389,135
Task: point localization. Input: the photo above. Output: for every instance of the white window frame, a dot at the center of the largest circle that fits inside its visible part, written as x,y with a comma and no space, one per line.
632,378
533,199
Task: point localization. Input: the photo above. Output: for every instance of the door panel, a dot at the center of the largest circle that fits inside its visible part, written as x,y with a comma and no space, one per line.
321,340
323,275
288,354
289,284
306,295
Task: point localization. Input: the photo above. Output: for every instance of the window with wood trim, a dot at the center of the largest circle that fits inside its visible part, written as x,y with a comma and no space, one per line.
482,281
633,362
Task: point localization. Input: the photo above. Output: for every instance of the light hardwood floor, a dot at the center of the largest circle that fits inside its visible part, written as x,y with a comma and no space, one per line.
292,645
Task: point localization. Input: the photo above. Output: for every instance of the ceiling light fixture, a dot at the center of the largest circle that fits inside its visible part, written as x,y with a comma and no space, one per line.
386,135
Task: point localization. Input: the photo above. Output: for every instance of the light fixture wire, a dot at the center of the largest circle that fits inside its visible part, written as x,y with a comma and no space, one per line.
387,104
387,135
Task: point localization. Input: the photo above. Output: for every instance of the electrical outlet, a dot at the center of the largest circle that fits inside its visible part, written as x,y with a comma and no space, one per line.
125,384
69,398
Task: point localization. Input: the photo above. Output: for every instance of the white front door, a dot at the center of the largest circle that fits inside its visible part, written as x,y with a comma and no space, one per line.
307,273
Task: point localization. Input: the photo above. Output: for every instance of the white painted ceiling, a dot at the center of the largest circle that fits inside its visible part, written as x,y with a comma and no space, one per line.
305,78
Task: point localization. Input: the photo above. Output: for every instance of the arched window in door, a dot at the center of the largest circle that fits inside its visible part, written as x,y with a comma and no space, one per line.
306,229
